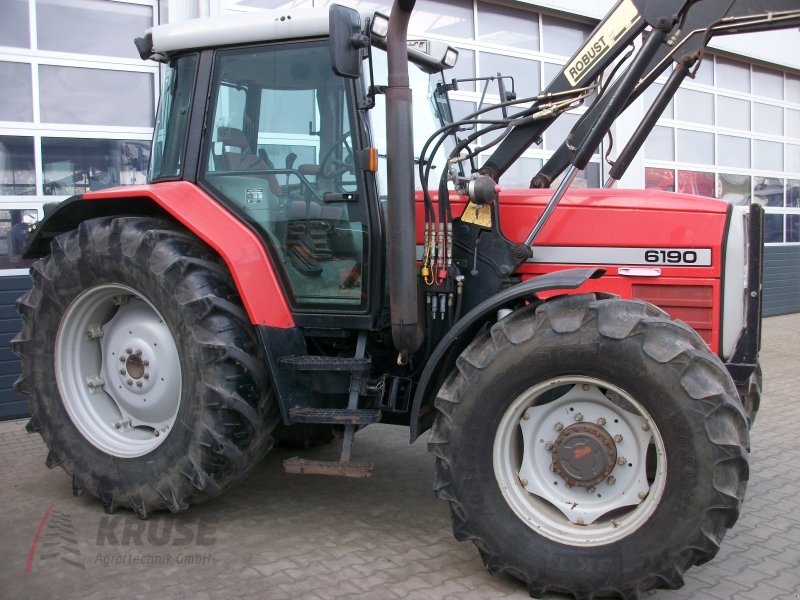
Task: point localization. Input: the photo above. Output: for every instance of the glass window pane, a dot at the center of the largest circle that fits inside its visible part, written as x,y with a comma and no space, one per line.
694,106
793,193
659,179
525,72
520,173
17,171
792,123
272,3
649,96
95,96
508,26
733,75
696,183
695,147
767,155
16,102
733,151
660,144
563,37
792,158
452,18
773,229
705,74
76,166
734,189
733,113
14,236
768,191
91,26
589,177
14,24
767,119
559,130
768,82
793,228
793,88
464,69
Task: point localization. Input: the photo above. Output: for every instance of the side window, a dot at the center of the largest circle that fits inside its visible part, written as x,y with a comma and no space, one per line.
280,150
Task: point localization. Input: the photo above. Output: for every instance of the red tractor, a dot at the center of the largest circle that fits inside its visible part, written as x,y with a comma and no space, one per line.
276,279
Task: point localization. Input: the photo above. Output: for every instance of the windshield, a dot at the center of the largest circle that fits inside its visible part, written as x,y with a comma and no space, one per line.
430,112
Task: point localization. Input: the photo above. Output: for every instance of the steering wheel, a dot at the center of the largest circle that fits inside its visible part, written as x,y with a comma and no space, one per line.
331,167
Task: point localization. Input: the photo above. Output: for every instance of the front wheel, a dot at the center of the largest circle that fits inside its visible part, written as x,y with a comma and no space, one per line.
591,446
140,367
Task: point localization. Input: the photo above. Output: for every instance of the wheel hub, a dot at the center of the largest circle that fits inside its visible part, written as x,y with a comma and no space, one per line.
584,454
118,370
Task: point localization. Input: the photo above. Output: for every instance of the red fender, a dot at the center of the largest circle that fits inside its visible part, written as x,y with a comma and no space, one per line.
240,248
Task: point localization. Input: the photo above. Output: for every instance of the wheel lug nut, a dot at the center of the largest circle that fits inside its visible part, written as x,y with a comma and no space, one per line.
138,352
642,495
138,384
579,417
524,482
590,490
129,382
129,350
559,426
117,425
622,460
146,362
548,445
585,387
146,375
645,426
552,468
525,416
601,421
121,359
567,484
618,438
156,432
122,371
611,480
581,521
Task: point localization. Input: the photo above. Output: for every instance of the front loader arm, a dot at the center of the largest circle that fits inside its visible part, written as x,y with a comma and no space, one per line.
684,47
624,23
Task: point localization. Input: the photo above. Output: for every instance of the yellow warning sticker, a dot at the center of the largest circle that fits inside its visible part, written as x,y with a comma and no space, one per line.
615,26
477,215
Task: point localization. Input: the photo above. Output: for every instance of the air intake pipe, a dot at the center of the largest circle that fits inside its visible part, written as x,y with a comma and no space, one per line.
407,329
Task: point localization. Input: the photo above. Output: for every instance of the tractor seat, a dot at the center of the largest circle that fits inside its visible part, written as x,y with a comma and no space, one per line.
238,156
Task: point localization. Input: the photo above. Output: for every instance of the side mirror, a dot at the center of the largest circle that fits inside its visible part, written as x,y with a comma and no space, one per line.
346,41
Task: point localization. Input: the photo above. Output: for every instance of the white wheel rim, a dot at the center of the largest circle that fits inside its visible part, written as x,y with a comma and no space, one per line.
118,370
585,414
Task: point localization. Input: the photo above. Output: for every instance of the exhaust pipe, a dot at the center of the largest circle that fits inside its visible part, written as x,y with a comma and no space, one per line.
407,328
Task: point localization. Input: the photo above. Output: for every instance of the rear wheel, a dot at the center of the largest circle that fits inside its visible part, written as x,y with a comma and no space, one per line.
140,367
591,447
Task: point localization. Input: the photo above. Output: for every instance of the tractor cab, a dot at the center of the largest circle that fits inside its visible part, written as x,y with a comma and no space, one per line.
293,149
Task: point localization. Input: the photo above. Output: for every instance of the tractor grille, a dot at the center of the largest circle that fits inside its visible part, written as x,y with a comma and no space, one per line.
693,304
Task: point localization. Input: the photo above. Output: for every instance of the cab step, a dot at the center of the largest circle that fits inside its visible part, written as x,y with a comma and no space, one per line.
334,416
301,466
345,364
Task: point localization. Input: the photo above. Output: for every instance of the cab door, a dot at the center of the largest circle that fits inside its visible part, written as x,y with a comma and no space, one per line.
281,151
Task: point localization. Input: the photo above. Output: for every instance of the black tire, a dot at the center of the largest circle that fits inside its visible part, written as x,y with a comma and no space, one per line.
750,395
663,365
226,409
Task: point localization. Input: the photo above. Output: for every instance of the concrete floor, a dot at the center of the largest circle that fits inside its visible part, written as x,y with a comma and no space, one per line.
281,536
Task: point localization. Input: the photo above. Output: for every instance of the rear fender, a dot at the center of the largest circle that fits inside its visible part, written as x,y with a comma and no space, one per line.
241,249
462,333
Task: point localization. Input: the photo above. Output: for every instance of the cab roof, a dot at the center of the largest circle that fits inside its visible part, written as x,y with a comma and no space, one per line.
228,30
